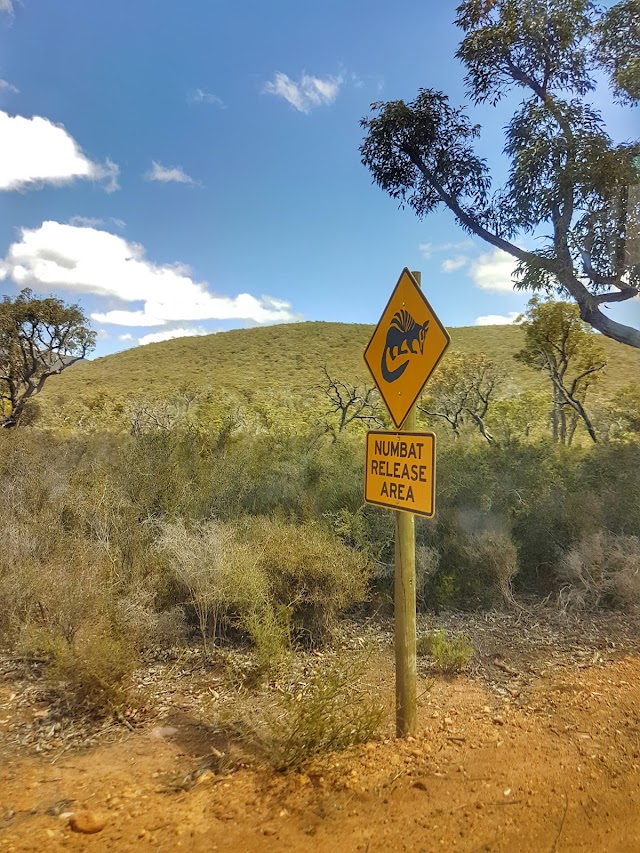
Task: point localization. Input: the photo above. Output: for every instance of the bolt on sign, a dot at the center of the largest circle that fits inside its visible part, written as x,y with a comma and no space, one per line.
405,348
400,471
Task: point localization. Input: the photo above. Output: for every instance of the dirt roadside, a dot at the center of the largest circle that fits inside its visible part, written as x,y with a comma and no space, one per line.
546,763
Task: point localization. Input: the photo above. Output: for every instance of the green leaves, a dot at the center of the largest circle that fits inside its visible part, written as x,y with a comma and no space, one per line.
618,49
38,338
568,184
418,150
538,44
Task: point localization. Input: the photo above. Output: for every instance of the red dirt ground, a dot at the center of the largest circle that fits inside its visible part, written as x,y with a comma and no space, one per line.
553,766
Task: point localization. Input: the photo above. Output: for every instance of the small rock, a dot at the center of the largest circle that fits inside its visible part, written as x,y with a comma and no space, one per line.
498,720
87,823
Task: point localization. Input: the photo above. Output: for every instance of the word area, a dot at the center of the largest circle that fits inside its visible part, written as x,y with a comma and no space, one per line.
400,471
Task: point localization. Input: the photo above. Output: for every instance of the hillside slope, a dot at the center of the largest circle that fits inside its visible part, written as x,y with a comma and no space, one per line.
290,357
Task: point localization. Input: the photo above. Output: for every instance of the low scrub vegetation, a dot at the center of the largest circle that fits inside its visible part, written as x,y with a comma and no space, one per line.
332,711
447,656
225,529
601,570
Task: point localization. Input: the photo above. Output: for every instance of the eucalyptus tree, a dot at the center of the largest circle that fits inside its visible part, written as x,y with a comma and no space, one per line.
38,339
561,345
569,185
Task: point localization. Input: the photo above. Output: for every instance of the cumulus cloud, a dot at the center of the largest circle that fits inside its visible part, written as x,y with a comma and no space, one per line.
34,151
305,94
201,96
493,271
497,319
89,260
168,174
6,6
8,87
171,334
452,264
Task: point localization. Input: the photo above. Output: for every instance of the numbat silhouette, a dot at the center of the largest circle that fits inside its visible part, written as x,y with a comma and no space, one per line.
403,332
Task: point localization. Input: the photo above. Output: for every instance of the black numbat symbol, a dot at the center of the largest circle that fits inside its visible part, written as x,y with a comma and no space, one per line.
402,336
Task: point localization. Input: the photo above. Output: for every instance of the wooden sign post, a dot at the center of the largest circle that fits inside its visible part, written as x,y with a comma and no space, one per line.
404,349
404,603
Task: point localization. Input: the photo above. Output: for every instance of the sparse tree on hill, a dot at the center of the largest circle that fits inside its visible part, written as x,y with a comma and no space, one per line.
38,339
569,184
349,403
461,392
520,418
559,343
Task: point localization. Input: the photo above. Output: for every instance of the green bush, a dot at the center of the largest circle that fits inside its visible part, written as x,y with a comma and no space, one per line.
475,571
95,668
309,571
221,574
330,712
447,656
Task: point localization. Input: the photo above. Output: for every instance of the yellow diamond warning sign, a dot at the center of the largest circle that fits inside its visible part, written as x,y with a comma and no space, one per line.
401,471
405,347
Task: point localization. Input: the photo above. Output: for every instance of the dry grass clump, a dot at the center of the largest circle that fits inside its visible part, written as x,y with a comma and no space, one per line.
602,570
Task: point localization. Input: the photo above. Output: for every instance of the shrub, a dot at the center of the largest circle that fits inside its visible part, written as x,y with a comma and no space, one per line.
427,562
602,570
220,573
270,631
330,712
309,571
92,669
448,656
475,570
95,667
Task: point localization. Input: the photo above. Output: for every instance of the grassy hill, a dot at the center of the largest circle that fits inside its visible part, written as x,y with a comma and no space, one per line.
290,357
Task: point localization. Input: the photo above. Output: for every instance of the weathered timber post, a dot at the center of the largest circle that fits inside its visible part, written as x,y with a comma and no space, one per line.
405,607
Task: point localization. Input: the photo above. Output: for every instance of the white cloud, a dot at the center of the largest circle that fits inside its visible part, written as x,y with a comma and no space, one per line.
8,87
168,174
88,260
307,93
126,337
34,151
452,264
6,6
497,319
171,334
493,271
201,96
429,249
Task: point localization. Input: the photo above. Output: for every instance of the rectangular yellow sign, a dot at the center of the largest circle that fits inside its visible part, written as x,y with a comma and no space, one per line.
400,471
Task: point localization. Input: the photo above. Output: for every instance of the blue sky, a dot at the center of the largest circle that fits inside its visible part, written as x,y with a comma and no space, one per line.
182,168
